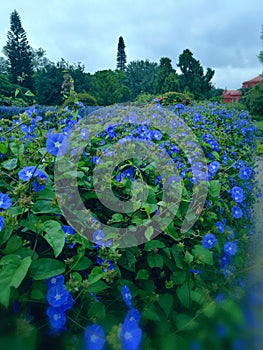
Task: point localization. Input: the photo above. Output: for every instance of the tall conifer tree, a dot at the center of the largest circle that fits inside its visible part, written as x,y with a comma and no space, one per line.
121,55
19,53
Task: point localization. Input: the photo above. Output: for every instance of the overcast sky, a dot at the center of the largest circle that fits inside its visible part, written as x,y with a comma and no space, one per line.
222,34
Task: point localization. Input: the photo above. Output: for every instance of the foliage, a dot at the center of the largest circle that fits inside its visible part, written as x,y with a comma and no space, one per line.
18,53
193,78
84,98
178,286
121,55
260,56
253,99
140,77
172,98
166,79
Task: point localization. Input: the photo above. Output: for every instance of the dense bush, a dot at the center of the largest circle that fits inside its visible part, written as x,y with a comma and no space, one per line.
119,211
172,98
85,98
253,99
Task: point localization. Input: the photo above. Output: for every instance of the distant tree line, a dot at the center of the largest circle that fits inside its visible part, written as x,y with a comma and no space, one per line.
30,69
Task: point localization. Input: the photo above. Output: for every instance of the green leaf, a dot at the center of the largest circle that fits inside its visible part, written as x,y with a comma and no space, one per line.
97,287
188,257
183,293
155,260
81,264
15,242
12,273
3,147
185,322
29,93
45,268
45,207
97,311
54,236
154,244
117,217
142,274
203,255
166,302
214,188
16,92
10,164
5,234
17,150
150,314
178,256
148,232
95,275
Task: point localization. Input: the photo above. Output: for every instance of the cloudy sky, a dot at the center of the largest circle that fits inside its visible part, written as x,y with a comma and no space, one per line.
222,34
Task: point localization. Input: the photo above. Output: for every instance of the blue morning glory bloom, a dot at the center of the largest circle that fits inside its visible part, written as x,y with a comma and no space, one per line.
133,315
69,231
156,135
54,281
27,172
94,337
237,194
57,318
106,265
220,226
2,223
130,335
57,295
209,241
237,212
99,239
5,201
57,144
84,134
230,248
126,295
245,173
39,184
213,167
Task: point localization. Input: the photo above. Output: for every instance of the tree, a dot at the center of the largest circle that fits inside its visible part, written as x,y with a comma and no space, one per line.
166,79
121,55
193,78
140,77
19,53
260,56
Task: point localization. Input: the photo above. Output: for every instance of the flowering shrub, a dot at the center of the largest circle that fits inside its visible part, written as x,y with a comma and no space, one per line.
119,211
173,98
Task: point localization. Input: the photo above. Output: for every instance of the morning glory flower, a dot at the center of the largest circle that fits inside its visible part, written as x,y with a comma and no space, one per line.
57,317
57,295
68,230
99,239
237,212
27,172
230,248
94,337
237,194
209,241
245,173
54,281
106,265
5,201
126,295
213,167
130,334
40,182
57,144
156,135
220,226
2,223
84,134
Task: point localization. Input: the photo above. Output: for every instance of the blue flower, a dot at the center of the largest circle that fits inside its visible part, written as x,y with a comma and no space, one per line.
40,182
57,317
237,212
230,248
129,173
69,231
156,135
94,337
237,194
2,223
57,144
99,239
54,281
96,160
5,201
245,173
195,271
220,226
58,295
106,265
84,134
126,295
130,334
209,241
213,167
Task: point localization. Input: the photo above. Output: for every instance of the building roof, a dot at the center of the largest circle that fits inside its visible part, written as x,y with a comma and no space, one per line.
257,79
232,93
